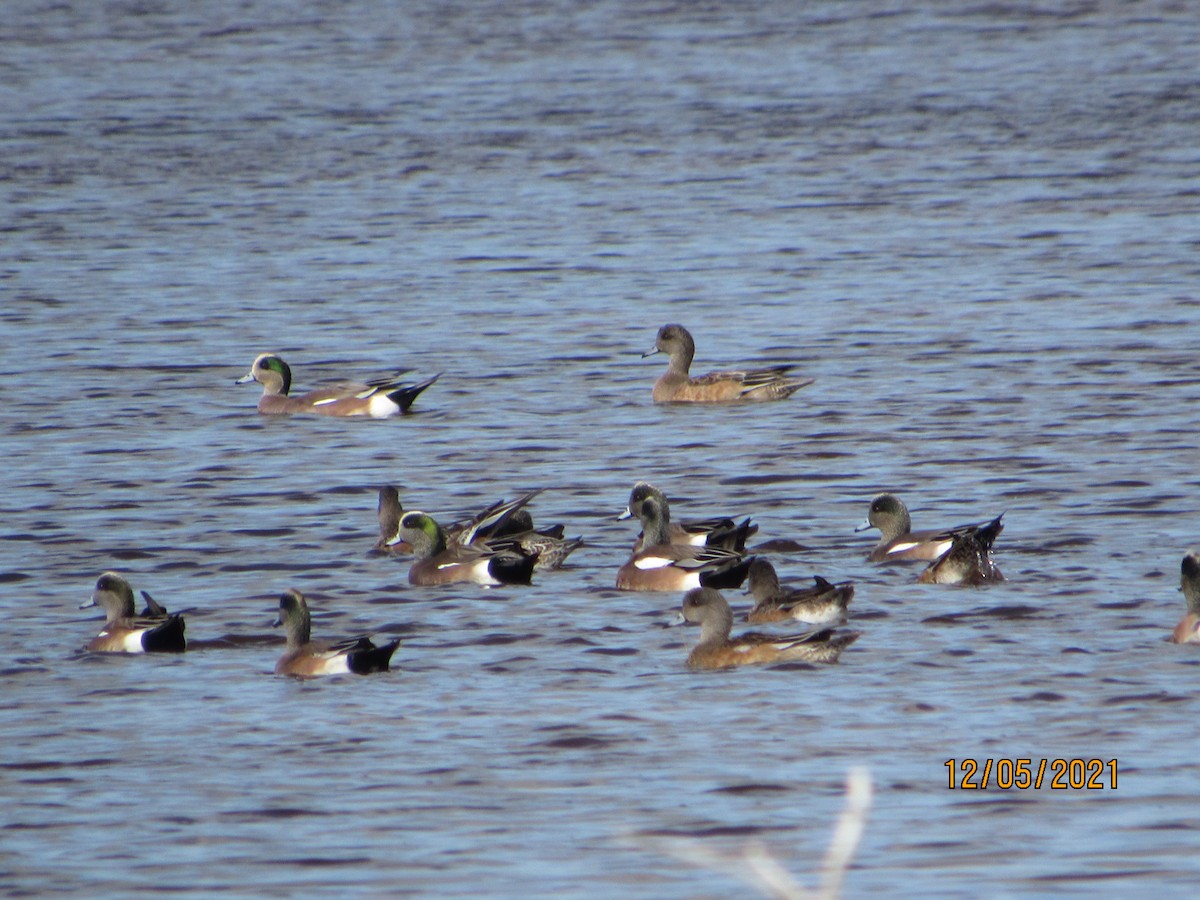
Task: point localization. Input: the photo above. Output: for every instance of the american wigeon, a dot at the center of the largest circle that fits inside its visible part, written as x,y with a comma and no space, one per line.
500,519
677,567
507,519
439,561
675,385
662,566
717,650
379,398
822,604
897,541
306,657
125,632
1188,629
717,532
969,557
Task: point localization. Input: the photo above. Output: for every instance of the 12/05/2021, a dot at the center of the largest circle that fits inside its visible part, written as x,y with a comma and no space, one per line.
1025,774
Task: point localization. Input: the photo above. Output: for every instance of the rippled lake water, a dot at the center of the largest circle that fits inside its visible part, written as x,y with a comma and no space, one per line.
975,226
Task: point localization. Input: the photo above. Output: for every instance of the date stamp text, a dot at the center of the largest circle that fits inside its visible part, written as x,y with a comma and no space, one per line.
1031,774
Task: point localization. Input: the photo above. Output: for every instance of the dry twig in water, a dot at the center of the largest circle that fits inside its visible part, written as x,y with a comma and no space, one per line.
756,866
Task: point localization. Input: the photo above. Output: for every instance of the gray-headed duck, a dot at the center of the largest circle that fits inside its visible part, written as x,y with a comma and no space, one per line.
305,657
897,540
717,650
1188,629
663,566
716,532
744,385
155,631
822,604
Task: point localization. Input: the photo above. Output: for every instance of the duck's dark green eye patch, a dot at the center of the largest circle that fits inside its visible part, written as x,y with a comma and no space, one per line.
279,367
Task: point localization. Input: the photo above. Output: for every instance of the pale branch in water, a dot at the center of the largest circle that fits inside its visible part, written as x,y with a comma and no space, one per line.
756,866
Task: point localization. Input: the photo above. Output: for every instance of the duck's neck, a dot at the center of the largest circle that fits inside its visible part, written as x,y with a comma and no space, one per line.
715,628
299,630
656,520
1191,593
764,582
681,358
119,605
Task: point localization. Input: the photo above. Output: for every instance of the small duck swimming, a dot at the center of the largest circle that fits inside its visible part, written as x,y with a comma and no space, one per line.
739,385
378,399
717,650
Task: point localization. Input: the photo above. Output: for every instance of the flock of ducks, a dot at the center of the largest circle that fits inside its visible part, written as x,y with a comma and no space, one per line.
500,545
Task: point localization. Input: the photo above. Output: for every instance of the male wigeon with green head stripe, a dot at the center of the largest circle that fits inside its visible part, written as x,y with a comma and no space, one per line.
439,561
509,520
377,399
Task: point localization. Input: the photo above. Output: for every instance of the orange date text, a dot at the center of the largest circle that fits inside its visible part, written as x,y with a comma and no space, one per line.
1032,774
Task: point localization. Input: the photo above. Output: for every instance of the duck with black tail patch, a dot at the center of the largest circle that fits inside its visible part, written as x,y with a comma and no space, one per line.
306,658
439,561
663,566
377,399
155,631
